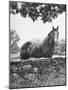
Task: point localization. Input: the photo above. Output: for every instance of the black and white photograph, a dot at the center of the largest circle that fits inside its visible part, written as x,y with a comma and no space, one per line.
37,44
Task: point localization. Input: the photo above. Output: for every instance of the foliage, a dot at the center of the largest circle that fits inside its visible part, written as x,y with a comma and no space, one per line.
47,12
61,47
14,38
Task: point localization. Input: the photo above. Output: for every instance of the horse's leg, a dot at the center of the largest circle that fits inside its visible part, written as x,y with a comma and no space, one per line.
22,53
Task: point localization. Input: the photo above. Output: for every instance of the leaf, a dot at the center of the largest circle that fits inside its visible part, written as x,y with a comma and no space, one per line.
46,11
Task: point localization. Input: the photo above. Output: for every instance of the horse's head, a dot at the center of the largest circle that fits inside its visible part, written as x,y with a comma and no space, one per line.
55,33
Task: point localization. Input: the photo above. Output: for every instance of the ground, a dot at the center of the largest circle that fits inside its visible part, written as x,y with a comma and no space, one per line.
38,72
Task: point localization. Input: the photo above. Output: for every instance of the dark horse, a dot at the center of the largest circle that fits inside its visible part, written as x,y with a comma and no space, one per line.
44,49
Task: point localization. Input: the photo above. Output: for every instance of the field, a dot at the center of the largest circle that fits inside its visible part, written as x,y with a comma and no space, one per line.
38,72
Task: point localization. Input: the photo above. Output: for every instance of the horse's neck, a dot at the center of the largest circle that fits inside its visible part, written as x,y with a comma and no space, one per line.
47,41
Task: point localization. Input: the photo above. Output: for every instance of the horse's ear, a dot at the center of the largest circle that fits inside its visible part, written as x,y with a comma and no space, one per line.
57,27
53,27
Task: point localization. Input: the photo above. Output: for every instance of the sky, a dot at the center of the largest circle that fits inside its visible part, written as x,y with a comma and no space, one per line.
29,30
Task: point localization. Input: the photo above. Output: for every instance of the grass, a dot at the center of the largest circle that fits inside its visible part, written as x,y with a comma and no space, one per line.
38,72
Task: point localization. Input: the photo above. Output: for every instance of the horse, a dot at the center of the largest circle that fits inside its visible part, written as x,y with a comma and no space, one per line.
44,49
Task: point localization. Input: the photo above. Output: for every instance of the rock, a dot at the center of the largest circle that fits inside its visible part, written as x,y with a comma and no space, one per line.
13,68
35,69
26,67
15,75
30,77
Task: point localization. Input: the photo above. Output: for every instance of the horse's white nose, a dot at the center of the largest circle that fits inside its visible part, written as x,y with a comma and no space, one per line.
56,40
